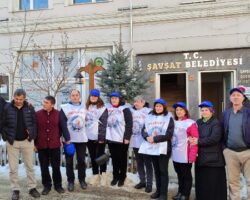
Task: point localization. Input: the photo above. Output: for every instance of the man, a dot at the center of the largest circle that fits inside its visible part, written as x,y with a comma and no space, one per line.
72,119
48,143
236,123
19,130
2,104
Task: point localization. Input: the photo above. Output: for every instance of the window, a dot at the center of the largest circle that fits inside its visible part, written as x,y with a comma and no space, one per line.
88,1
4,87
33,4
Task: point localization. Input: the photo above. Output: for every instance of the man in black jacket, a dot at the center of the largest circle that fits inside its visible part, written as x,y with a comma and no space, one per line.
2,104
19,130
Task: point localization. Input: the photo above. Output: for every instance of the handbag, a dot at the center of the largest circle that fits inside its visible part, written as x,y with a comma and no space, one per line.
102,159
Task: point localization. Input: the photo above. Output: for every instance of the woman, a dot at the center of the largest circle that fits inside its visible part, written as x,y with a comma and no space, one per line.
139,112
210,175
183,154
158,132
119,130
96,124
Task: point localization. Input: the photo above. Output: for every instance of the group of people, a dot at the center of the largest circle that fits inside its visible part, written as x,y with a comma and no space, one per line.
156,135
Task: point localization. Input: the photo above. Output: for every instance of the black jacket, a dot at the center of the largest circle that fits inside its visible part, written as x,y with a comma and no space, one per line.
2,104
103,126
210,143
10,122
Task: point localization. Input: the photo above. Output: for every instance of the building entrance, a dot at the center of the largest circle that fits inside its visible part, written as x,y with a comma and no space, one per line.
215,87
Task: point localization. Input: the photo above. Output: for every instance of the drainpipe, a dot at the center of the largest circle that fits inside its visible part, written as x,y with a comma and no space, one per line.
131,32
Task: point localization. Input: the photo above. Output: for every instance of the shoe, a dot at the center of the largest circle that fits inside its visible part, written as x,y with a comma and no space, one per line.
184,197
155,195
95,180
83,185
34,193
148,188
140,185
177,196
71,186
114,182
15,195
104,179
120,183
46,191
60,190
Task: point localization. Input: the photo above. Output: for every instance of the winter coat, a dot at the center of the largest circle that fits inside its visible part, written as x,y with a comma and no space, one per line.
245,125
2,104
210,143
48,130
10,122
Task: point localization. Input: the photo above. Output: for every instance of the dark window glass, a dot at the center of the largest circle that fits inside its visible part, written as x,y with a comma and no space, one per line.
24,4
40,4
82,1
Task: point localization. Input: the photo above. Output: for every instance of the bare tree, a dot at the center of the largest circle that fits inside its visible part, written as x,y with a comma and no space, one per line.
13,54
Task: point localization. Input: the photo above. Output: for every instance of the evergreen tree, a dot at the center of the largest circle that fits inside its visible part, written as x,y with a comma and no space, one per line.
119,76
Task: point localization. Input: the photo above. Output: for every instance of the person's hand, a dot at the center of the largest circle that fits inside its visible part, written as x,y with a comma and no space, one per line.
67,142
126,141
150,139
101,142
35,149
193,140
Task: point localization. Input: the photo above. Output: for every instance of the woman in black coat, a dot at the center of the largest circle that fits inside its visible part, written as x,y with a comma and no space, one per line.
210,174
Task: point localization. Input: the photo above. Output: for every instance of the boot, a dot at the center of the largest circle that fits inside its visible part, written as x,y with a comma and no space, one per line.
177,196
104,179
114,182
83,185
155,195
95,180
34,193
121,183
148,188
140,185
71,186
46,191
15,195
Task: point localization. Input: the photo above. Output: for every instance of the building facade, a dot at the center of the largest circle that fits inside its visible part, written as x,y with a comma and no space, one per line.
192,49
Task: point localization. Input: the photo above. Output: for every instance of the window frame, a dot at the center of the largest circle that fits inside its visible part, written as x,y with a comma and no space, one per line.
31,6
72,2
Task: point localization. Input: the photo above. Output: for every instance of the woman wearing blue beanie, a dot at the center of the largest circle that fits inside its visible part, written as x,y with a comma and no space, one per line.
119,130
96,124
158,132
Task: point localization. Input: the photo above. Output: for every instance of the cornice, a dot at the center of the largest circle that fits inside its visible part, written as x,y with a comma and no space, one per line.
148,15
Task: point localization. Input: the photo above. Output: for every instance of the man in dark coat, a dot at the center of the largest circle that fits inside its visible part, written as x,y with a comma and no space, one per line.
2,104
19,130
236,127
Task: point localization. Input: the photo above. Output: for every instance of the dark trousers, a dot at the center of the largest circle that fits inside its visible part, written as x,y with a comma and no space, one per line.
119,154
81,166
160,164
47,157
95,150
144,161
184,175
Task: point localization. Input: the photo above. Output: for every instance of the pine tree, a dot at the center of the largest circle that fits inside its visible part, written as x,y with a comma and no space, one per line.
120,76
